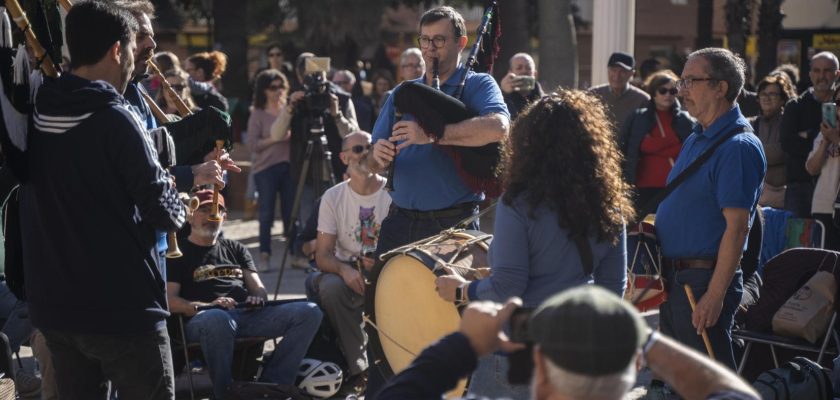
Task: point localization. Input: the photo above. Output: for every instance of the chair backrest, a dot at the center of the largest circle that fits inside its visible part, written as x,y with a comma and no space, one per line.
784,274
782,232
804,232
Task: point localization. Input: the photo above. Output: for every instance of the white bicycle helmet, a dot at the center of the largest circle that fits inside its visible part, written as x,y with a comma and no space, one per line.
319,378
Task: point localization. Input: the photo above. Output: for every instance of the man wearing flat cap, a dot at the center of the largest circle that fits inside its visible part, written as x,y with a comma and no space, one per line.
618,95
588,344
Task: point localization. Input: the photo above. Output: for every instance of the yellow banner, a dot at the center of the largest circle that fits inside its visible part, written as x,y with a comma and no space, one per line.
827,41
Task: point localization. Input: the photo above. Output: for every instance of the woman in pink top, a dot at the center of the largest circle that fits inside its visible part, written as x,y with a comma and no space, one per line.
270,154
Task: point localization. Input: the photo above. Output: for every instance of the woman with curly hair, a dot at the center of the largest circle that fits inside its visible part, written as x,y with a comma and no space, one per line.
563,185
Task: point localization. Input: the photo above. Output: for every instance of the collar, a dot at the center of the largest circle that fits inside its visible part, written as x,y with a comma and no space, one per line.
721,123
453,79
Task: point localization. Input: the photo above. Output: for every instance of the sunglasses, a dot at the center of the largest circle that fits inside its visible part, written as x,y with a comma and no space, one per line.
358,149
663,91
275,87
178,87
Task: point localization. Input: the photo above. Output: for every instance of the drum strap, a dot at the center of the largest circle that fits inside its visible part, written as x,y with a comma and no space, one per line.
585,252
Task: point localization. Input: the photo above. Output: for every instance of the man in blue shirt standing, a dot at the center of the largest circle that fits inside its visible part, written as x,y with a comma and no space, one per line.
428,195
703,224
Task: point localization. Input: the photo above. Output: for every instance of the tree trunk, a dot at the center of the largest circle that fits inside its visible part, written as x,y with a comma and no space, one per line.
513,15
558,45
737,25
705,14
231,37
769,28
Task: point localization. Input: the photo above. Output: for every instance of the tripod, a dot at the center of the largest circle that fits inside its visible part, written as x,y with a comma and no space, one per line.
322,171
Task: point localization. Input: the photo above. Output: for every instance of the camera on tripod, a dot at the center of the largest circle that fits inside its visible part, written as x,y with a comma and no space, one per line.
316,86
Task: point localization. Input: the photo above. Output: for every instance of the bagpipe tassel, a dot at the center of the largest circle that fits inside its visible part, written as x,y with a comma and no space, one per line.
5,29
15,122
21,67
36,78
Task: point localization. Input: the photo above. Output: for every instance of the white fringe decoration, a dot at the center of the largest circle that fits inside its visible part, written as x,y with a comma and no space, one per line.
21,66
5,29
65,51
36,78
16,123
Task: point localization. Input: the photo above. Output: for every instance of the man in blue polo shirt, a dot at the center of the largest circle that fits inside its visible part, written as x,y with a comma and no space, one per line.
428,195
703,224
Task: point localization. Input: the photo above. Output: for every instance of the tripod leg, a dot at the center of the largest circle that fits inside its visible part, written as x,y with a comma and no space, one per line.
295,211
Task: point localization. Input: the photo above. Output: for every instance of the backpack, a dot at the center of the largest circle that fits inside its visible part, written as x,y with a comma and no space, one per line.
799,378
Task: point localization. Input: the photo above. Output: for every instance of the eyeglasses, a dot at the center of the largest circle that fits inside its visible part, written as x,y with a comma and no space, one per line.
688,83
274,54
769,95
358,149
424,41
663,91
275,87
177,87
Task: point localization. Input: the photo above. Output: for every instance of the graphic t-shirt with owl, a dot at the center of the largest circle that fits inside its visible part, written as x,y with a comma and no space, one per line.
207,273
353,218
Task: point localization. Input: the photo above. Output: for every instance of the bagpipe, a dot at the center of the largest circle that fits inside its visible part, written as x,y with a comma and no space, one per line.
433,110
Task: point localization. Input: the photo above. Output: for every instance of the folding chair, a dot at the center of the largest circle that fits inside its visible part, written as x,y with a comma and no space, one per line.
775,298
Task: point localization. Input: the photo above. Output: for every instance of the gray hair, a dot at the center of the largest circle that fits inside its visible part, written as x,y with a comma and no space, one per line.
829,56
724,66
526,56
346,74
413,51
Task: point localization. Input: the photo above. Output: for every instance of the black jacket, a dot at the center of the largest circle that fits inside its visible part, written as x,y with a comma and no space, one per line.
301,133
516,102
639,124
803,113
95,196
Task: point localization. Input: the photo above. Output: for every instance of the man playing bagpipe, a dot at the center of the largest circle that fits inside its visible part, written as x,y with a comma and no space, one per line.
430,191
94,195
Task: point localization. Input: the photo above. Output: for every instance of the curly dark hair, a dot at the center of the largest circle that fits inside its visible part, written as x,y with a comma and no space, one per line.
562,154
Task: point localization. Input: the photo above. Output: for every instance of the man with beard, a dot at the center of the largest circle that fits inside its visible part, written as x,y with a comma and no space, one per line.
800,126
221,272
101,306
349,219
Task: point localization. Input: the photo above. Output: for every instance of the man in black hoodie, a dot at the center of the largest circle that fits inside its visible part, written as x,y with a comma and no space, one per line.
95,196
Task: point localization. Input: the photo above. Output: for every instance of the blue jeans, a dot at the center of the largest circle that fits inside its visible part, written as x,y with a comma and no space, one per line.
18,327
217,329
490,380
675,313
270,181
139,366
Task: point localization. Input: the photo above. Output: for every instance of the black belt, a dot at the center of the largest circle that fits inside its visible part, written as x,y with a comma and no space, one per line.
454,211
679,264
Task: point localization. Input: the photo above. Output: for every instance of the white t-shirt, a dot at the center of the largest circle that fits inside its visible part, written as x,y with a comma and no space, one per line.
353,218
829,181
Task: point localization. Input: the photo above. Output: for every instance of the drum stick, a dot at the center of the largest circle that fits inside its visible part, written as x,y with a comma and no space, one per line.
183,110
214,215
690,294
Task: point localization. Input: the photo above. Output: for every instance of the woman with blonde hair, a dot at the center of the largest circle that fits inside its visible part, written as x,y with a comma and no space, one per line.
561,220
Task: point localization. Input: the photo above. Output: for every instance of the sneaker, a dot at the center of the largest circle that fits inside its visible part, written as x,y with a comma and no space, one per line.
27,384
354,385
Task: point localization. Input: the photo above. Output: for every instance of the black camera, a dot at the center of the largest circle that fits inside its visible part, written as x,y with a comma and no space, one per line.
520,362
316,97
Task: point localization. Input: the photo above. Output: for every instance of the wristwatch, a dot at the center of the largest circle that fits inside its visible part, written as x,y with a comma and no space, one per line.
461,297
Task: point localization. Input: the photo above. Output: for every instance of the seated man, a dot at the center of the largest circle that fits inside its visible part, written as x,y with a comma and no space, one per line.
221,272
588,344
349,219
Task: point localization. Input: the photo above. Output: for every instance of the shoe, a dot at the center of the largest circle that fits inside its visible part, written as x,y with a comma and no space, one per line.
27,384
354,385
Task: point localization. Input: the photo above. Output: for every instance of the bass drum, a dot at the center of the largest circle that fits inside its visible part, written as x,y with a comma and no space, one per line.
401,302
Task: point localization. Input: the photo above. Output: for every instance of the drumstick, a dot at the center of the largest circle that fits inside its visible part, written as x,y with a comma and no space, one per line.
690,294
214,215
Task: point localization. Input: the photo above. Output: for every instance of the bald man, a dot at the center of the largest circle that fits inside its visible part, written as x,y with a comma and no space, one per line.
519,86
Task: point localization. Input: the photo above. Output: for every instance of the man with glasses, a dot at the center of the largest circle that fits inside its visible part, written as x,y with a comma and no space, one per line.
220,272
620,97
412,65
704,223
800,126
349,220
429,195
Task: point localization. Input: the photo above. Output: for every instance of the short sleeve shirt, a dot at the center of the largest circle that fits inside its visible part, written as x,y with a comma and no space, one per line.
354,219
207,273
690,222
425,178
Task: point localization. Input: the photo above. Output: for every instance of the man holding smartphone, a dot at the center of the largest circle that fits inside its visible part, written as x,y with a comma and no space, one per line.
800,126
520,86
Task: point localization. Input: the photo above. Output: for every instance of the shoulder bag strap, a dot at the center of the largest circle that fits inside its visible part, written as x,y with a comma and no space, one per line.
650,206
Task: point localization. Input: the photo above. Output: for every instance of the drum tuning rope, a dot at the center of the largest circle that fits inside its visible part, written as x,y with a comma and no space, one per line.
367,320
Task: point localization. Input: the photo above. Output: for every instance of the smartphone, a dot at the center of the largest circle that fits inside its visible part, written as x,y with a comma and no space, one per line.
524,83
521,362
829,114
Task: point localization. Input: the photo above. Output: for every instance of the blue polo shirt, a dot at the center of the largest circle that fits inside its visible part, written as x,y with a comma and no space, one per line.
689,222
425,177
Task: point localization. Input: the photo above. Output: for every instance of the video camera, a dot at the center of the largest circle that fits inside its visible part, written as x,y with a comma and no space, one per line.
316,86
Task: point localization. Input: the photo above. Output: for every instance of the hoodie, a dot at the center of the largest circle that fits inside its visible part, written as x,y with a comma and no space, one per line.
89,212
